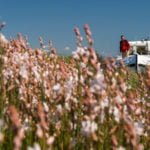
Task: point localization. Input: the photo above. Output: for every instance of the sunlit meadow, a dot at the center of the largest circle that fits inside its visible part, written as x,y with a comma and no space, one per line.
81,102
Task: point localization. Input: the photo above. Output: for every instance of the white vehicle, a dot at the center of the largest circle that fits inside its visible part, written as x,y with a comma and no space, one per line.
139,54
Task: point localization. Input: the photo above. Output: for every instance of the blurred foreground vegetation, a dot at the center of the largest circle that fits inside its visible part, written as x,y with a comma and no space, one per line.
77,102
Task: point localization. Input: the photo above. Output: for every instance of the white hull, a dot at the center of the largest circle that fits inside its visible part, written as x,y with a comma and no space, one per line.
143,60
135,60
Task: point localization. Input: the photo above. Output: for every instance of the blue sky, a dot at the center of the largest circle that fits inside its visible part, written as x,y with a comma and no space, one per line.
56,19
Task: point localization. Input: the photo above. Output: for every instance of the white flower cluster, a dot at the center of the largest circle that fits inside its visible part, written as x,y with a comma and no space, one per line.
88,127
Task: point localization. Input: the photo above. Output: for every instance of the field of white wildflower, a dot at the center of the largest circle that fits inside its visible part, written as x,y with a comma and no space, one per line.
50,102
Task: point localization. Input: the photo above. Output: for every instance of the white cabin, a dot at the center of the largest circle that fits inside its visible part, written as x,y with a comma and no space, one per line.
143,44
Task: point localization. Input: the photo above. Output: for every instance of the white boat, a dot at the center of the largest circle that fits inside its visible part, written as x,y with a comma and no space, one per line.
139,56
